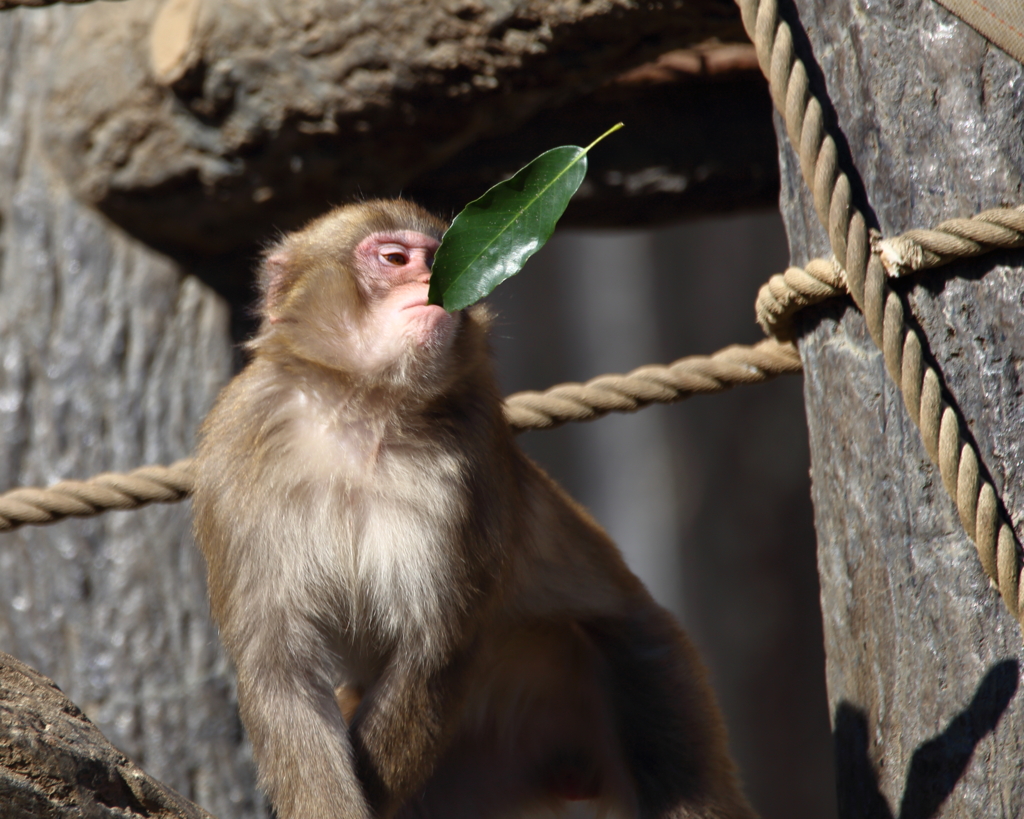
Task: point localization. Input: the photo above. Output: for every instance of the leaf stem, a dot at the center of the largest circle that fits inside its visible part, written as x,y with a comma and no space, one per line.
611,130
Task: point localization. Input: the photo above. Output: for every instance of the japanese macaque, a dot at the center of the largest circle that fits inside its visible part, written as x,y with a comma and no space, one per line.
422,622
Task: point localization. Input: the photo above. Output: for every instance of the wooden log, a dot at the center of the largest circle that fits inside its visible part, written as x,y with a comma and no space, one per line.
202,127
110,355
55,763
923,659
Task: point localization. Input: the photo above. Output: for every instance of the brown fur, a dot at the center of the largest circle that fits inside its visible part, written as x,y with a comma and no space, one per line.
423,623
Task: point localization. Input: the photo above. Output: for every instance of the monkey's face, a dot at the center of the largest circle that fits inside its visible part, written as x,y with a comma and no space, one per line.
352,296
393,277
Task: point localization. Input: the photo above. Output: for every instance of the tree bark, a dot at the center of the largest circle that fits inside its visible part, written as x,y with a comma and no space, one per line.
923,660
55,763
201,127
111,355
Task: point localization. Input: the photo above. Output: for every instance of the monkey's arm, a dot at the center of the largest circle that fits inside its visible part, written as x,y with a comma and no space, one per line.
287,702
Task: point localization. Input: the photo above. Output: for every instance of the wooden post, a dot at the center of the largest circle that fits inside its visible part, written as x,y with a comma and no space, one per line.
923,660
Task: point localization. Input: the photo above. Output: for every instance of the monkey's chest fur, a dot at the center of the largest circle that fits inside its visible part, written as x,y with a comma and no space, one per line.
365,545
358,539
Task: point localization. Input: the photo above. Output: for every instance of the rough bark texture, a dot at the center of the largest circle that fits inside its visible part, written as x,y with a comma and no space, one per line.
110,356
923,660
202,126
54,762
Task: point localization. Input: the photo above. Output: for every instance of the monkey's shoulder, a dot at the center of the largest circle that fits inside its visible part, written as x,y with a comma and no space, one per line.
312,450
564,562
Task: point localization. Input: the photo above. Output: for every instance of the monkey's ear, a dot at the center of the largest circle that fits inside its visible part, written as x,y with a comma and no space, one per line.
275,281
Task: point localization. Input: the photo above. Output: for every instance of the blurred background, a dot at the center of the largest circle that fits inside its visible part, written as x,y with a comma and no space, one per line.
709,499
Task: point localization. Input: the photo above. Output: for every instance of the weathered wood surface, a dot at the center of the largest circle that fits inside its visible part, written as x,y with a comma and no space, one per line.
923,660
203,129
54,762
109,357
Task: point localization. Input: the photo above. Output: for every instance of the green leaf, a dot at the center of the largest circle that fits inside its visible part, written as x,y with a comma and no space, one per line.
493,236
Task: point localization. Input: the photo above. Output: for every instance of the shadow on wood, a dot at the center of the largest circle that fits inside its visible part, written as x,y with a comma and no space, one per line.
936,765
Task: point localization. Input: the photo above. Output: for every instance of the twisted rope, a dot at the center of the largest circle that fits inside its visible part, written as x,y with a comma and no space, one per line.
786,294
101,493
693,375
940,425
999,228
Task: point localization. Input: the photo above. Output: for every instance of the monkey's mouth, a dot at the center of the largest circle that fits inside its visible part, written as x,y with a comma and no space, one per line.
419,304
429,324
423,307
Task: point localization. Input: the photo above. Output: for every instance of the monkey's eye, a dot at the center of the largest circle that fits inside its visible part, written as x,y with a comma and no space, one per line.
397,259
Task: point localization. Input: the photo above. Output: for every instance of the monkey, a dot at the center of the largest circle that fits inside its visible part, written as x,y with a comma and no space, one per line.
423,624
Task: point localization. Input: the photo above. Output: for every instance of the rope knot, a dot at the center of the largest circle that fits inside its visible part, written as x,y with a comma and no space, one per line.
900,255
